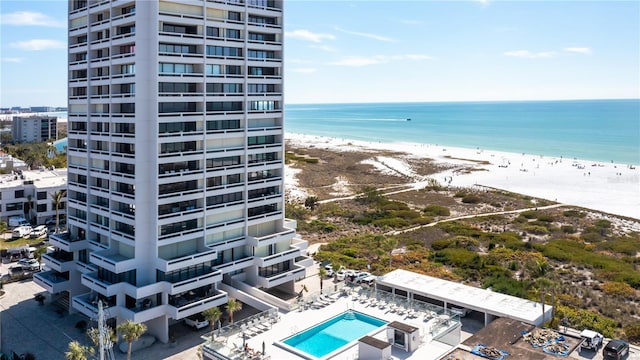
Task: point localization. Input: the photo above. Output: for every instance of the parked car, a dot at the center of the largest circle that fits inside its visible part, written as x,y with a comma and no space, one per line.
615,350
196,321
340,274
329,269
21,232
39,231
29,264
360,276
591,340
50,221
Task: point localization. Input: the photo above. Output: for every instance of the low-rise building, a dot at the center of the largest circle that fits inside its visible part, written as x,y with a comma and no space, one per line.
30,194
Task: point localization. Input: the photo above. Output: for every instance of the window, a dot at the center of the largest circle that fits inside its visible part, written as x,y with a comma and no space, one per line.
18,194
261,88
263,105
127,49
224,88
223,51
222,162
128,29
42,208
178,49
128,69
14,206
174,127
233,34
223,125
224,199
129,10
42,195
213,31
168,87
261,140
174,107
214,69
167,68
180,29
224,106
178,147
234,16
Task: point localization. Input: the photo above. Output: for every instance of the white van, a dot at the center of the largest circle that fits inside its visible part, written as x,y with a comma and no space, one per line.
21,231
39,231
15,221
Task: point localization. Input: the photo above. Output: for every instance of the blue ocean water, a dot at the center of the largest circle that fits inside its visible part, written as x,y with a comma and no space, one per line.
598,130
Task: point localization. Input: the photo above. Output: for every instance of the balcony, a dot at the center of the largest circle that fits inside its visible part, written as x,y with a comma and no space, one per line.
284,235
185,261
115,263
65,242
60,261
278,258
100,286
52,281
206,278
87,304
236,265
195,301
281,278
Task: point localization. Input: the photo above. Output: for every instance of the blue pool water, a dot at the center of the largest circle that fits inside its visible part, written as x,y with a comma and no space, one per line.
334,333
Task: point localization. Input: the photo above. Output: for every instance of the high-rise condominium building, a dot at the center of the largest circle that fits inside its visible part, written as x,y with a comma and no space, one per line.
175,159
34,128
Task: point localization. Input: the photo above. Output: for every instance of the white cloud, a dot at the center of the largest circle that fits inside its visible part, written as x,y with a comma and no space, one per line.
326,48
308,36
357,61
579,50
12,60
27,18
305,70
483,2
38,44
530,55
367,35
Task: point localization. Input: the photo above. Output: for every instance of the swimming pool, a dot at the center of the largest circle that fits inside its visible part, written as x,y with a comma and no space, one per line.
333,335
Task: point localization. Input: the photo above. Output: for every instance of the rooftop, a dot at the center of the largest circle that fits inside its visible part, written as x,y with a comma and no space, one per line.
470,297
44,178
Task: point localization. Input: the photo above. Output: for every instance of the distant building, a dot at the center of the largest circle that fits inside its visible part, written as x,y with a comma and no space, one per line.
35,128
42,109
29,194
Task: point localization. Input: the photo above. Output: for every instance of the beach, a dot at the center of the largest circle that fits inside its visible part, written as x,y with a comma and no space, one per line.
603,186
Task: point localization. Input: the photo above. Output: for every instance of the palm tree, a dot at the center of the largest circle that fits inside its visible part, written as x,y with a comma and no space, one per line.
388,244
78,351
233,305
56,199
93,334
212,314
322,273
28,206
131,332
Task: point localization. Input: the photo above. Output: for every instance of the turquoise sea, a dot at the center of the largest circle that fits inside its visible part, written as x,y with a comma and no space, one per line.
598,130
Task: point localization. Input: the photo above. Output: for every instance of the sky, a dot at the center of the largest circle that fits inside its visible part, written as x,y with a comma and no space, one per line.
389,51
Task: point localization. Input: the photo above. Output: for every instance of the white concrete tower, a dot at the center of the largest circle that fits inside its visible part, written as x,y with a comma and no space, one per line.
175,159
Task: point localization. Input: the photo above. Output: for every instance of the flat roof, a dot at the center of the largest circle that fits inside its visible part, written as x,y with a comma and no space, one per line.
42,179
376,343
470,297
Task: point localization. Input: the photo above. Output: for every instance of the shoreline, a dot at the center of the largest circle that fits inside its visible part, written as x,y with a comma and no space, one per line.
607,187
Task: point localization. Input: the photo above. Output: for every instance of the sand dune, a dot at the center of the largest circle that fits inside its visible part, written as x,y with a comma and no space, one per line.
608,187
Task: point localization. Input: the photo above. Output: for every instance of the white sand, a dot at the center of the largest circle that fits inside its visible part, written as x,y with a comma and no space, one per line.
607,187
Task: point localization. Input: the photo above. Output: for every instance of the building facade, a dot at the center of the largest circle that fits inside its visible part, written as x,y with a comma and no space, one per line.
176,159
31,194
34,128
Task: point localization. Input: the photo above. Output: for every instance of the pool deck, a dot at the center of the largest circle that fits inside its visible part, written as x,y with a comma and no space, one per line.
299,320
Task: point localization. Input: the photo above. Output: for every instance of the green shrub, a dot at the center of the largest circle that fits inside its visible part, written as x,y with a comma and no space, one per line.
574,214
460,258
471,199
568,229
436,210
505,284
536,229
391,222
530,214
585,319
441,244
